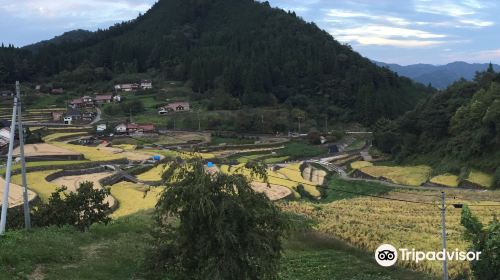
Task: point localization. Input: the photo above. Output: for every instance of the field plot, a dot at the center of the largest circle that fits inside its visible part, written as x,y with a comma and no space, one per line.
37,183
289,177
153,174
369,222
273,192
44,150
133,198
54,136
92,153
73,183
407,175
15,194
448,180
480,178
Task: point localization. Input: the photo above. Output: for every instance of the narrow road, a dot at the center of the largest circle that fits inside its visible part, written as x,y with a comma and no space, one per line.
98,117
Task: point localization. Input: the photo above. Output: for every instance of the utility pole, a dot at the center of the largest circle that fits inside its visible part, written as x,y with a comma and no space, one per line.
5,201
27,218
443,225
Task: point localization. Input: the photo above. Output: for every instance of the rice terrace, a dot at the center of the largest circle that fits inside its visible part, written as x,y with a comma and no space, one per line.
217,139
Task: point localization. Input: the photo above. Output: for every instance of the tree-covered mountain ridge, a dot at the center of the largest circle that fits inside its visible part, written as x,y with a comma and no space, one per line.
242,52
455,130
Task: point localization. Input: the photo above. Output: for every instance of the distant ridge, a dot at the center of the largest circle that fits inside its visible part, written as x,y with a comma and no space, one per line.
440,76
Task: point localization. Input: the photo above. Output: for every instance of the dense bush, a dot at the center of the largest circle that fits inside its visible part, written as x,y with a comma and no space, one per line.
81,209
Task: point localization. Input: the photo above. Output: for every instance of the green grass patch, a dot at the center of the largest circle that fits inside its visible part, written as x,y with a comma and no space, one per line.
311,256
336,186
116,251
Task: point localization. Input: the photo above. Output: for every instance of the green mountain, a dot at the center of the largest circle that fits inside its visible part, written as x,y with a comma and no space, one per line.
242,52
75,36
456,128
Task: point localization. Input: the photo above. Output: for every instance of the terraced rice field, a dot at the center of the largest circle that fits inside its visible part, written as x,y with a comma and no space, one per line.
480,178
368,222
133,198
289,177
404,175
153,174
37,183
15,194
46,150
73,183
448,180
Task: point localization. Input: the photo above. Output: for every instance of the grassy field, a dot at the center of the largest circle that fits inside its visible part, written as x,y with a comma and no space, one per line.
118,251
367,222
133,198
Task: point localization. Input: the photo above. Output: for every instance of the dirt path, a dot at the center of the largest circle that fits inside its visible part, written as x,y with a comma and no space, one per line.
73,183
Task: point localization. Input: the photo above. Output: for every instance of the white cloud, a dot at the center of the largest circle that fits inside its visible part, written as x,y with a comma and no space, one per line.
89,11
336,15
476,22
449,8
388,36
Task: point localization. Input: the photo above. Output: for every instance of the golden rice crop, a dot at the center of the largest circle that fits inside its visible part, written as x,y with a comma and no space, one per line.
448,180
480,178
404,175
133,198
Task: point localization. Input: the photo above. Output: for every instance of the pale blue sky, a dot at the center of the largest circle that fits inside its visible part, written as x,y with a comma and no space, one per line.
396,31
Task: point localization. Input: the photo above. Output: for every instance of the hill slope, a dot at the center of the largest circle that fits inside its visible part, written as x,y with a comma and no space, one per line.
240,51
440,76
457,128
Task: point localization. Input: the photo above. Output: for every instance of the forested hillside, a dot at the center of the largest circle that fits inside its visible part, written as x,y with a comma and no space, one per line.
243,53
455,129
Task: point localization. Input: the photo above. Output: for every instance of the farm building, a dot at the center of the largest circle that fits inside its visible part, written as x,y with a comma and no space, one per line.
101,127
102,99
133,128
146,84
174,107
76,103
127,87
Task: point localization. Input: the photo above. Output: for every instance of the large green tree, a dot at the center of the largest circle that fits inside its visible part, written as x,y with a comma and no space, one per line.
214,226
484,239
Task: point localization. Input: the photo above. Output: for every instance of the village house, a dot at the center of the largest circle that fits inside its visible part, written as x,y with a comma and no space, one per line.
127,87
88,101
57,91
174,107
133,128
76,103
102,99
117,98
146,84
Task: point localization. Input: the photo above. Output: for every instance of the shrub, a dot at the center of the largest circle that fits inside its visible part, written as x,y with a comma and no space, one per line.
81,209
